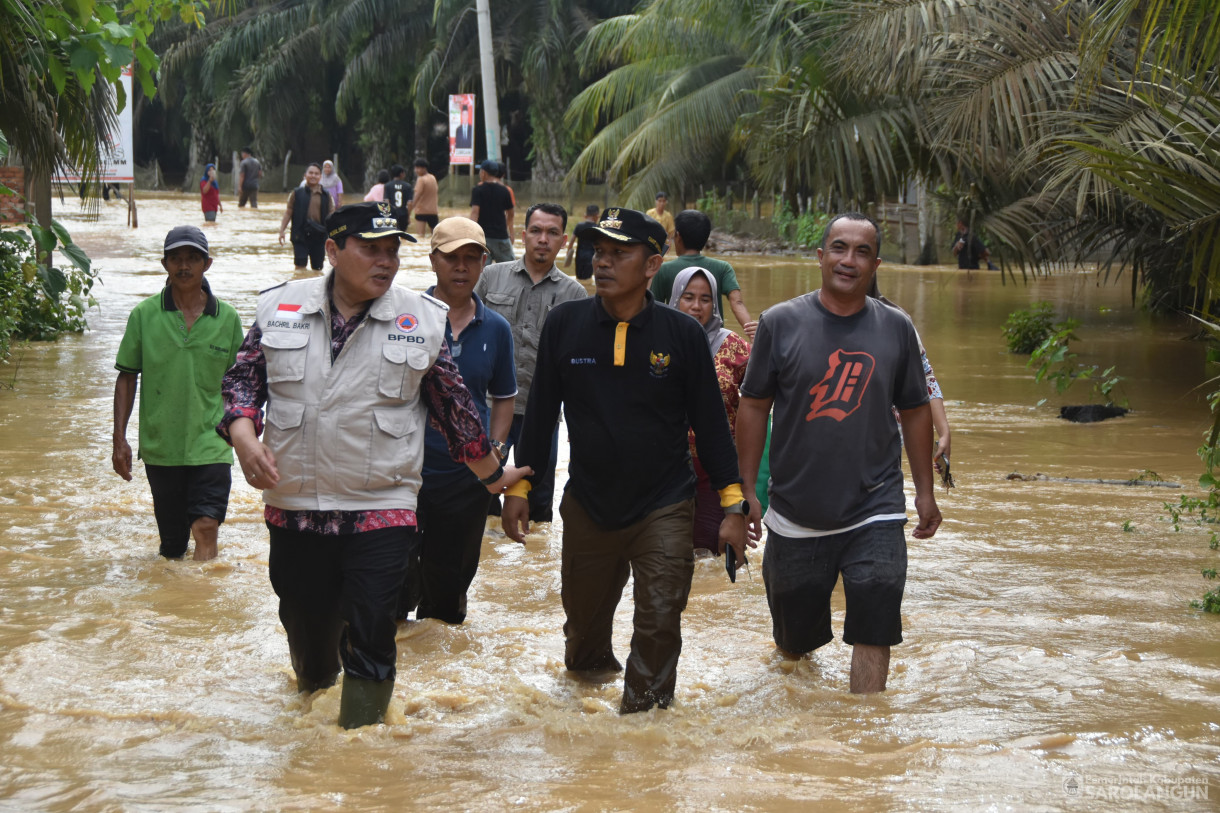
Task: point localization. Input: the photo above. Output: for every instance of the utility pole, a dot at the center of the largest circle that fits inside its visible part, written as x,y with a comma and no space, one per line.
491,103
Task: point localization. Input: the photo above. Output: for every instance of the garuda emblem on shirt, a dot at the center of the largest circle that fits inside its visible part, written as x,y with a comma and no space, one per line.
660,363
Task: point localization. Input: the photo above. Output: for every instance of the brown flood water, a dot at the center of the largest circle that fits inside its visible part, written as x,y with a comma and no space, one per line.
1051,660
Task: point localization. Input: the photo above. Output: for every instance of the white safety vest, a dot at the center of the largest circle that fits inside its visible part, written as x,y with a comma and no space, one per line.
349,435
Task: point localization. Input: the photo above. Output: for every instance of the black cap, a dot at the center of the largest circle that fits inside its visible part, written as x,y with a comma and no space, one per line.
491,167
369,219
186,236
630,226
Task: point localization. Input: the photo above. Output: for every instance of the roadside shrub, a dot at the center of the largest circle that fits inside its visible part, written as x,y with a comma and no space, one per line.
36,301
805,229
1026,330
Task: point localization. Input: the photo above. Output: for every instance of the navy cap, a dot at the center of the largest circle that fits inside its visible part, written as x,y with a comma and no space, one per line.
630,226
368,219
186,236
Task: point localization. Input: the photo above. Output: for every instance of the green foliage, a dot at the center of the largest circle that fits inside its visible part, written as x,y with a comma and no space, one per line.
61,63
1025,330
37,300
1205,510
1128,526
805,229
1053,361
724,218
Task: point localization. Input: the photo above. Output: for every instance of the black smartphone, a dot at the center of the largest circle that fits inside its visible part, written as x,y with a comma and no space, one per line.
730,562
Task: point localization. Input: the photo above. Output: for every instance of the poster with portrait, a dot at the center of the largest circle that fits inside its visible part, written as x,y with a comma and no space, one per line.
461,128
118,163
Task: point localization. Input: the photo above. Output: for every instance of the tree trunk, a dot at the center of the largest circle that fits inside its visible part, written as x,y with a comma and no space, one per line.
927,224
421,136
200,147
547,141
374,140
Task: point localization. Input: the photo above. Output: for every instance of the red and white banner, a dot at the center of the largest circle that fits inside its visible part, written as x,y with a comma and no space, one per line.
461,128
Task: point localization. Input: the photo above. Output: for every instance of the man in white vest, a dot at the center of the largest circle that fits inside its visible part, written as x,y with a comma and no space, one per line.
350,368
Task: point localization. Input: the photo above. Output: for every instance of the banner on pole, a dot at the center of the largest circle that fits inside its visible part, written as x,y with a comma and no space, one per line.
118,163
461,128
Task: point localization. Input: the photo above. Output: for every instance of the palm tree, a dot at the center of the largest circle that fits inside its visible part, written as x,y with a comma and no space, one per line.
535,51
681,73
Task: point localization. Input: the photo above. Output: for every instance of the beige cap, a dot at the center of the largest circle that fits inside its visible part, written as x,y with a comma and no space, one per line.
454,232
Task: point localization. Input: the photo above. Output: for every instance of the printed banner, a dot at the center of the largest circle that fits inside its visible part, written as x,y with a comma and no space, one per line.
118,163
461,128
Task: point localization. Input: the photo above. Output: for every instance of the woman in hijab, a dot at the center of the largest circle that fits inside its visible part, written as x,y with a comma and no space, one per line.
209,192
694,293
332,183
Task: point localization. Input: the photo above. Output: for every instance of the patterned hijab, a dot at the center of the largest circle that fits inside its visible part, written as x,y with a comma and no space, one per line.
714,326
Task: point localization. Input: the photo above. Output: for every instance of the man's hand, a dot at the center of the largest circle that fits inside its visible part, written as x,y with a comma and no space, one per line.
512,475
120,458
754,520
257,461
281,237
750,327
733,534
515,517
929,516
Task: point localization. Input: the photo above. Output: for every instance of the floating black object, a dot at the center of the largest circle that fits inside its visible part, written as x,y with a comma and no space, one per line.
1091,413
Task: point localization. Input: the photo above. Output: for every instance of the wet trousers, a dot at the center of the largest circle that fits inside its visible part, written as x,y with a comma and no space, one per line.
657,551
451,525
338,594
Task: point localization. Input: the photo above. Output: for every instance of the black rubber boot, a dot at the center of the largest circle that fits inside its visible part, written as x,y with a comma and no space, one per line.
364,702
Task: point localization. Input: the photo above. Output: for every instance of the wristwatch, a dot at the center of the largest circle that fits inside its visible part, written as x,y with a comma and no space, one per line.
500,448
496,475
742,508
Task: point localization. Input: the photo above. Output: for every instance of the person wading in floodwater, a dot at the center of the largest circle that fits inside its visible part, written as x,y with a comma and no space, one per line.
633,378
835,363
350,367
180,342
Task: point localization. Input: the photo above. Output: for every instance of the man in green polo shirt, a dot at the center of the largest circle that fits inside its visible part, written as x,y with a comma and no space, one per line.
181,341
692,229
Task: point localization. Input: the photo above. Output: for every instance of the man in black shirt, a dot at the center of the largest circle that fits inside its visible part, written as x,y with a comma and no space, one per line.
633,378
968,247
491,206
582,243
398,193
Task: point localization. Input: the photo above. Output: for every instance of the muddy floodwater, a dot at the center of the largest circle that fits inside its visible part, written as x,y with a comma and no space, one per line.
1051,660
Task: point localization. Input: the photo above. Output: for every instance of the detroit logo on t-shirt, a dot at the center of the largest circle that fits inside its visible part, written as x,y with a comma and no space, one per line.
841,390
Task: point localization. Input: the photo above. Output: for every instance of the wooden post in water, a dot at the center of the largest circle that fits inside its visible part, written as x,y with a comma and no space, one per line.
902,234
287,158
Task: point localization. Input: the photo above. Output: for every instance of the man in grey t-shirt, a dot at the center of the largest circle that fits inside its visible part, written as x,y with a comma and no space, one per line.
249,170
835,364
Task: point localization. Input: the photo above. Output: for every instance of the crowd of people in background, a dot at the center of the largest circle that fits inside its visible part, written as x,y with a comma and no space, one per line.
679,428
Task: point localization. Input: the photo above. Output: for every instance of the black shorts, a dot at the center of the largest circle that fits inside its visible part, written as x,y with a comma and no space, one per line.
431,220
183,494
800,575
311,250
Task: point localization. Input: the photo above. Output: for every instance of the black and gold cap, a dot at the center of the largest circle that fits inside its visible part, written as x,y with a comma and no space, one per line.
368,219
630,226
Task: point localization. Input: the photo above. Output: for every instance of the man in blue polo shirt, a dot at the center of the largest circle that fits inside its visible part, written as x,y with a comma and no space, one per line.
452,507
181,341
